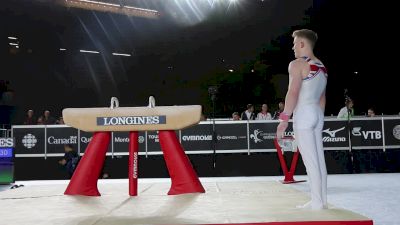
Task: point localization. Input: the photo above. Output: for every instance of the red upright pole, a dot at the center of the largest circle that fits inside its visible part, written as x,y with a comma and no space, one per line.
133,163
281,158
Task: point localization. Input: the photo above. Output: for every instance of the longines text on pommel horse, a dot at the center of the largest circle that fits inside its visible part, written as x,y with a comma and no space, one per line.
101,121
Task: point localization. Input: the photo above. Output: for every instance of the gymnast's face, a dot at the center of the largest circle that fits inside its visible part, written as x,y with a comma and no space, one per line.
298,46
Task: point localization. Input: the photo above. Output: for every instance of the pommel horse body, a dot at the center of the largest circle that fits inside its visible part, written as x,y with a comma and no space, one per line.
102,121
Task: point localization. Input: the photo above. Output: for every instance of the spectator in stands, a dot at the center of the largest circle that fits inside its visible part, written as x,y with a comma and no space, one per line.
203,116
281,107
60,120
40,121
30,118
47,118
347,111
235,116
371,112
264,114
249,113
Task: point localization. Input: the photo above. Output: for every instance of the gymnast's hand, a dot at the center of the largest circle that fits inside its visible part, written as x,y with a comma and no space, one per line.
280,130
284,121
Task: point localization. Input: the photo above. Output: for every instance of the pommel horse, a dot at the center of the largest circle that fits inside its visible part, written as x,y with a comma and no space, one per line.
102,121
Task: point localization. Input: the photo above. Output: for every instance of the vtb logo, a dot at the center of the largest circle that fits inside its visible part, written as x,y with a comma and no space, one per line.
366,134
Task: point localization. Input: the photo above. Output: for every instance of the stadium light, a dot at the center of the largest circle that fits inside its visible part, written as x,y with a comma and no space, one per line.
115,8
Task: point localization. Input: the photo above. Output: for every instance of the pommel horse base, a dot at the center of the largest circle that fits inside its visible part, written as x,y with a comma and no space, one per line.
102,121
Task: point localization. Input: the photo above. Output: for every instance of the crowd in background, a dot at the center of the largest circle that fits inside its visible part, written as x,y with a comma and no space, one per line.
249,114
45,119
263,114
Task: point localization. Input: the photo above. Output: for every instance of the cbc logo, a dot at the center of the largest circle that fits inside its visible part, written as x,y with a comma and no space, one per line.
29,141
396,132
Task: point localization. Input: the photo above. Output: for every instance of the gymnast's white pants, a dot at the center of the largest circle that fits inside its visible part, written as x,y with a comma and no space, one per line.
308,121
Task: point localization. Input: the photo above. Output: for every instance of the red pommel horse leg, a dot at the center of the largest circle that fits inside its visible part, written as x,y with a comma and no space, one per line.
184,178
288,173
84,180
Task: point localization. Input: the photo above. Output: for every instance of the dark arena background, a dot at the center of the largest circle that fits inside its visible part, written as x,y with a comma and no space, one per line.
219,54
